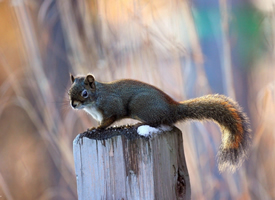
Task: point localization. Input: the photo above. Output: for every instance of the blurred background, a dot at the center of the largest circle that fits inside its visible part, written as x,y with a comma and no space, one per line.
186,48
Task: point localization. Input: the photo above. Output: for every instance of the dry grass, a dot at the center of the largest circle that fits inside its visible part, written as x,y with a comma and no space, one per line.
160,42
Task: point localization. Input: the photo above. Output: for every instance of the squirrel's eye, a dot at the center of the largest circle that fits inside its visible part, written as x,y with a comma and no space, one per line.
84,94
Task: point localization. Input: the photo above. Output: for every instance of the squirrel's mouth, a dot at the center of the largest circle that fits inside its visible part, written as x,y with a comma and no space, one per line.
76,104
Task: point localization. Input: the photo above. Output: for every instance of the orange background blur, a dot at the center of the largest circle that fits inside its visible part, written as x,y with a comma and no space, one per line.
186,48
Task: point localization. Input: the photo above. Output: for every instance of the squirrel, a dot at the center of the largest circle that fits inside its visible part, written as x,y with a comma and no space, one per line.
109,102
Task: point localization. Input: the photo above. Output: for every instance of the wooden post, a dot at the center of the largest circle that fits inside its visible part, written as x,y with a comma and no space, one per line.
120,164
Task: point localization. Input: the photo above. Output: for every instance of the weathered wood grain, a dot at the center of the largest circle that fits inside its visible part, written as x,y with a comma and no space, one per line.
140,168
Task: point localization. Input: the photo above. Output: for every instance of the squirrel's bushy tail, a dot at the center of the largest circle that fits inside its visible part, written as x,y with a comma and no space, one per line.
233,122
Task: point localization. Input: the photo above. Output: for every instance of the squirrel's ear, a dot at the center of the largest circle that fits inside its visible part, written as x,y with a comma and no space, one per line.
72,78
90,80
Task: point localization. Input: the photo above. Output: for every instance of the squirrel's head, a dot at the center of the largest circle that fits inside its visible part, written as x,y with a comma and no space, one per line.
82,91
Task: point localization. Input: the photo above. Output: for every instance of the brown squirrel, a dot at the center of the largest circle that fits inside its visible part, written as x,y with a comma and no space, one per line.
109,102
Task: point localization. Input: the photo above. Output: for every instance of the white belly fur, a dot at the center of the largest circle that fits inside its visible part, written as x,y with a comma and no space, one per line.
96,114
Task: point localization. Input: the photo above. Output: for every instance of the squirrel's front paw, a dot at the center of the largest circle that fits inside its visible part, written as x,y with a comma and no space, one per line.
91,129
95,129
